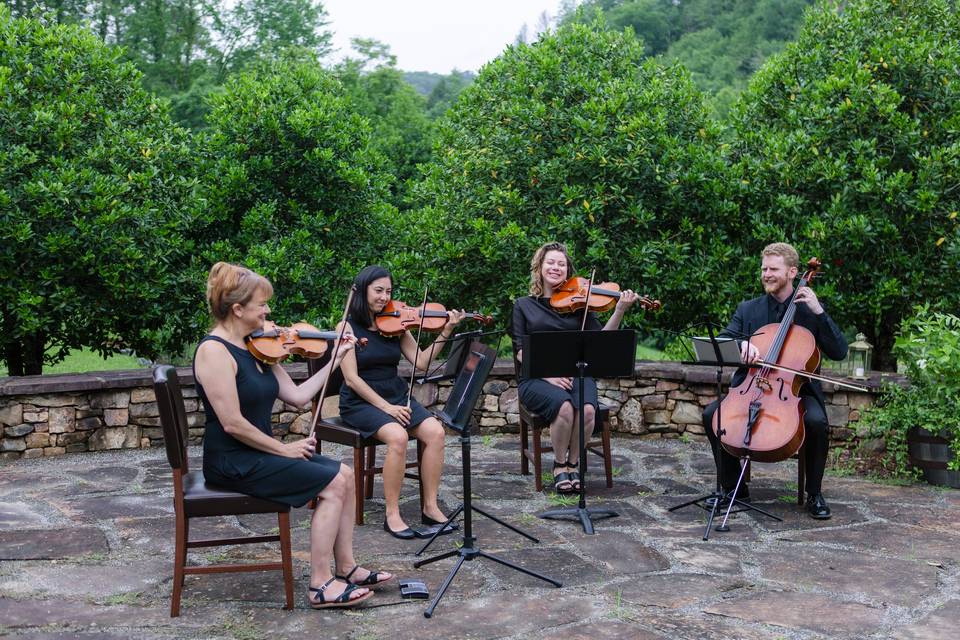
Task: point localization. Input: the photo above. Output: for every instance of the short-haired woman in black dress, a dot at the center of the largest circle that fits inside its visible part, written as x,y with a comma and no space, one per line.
557,399
239,451
373,400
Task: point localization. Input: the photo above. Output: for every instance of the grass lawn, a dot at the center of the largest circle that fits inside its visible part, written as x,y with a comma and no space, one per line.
86,360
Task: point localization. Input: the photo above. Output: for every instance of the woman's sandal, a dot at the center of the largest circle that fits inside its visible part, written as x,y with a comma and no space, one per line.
373,579
574,478
342,600
561,481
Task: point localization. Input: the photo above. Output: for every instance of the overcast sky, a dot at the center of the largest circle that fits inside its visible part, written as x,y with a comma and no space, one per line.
436,35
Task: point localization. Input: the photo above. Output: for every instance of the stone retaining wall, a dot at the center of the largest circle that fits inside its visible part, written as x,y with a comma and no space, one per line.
54,415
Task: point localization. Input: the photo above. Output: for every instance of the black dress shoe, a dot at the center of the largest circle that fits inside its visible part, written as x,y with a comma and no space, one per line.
427,520
405,534
817,507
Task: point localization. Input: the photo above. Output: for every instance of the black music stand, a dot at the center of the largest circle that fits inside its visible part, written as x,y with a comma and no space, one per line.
569,354
714,501
456,414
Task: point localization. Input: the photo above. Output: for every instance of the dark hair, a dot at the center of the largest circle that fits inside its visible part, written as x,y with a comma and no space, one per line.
359,309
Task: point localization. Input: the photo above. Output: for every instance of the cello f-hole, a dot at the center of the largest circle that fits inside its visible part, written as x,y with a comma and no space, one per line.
780,393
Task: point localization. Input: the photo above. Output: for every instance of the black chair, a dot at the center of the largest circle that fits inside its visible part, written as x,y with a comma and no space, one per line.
533,424
194,498
334,429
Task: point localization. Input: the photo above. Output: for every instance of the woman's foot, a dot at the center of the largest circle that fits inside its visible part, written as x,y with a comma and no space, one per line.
574,477
337,593
561,477
366,578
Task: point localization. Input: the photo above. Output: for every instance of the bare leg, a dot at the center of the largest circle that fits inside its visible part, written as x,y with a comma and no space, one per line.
394,464
324,529
560,430
588,424
343,545
430,433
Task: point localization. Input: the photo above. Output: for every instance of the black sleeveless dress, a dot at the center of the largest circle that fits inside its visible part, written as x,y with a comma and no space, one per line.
234,465
377,366
531,315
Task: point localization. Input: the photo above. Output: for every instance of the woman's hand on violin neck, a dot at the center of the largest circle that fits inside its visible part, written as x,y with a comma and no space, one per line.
627,298
399,413
300,448
455,317
347,343
749,352
563,383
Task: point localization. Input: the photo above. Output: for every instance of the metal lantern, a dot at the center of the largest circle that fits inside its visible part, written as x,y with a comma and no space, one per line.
859,356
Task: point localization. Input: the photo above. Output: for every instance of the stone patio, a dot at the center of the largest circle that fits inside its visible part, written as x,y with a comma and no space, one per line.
86,543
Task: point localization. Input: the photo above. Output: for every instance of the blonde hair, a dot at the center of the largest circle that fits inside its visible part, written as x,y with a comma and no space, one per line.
536,265
786,251
230,284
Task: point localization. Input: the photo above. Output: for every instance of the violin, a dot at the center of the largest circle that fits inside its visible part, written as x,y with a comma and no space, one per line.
763,415
273,344
398,317
572,296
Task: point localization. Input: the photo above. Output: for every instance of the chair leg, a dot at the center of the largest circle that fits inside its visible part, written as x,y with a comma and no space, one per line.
359,479
371,463
607,458
801,474
283,522
524,446
179,562
537,462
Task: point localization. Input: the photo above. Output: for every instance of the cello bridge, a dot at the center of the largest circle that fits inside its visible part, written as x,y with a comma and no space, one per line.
763,383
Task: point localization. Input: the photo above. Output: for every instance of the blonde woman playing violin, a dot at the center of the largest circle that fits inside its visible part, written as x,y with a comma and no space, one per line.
240,453
556,399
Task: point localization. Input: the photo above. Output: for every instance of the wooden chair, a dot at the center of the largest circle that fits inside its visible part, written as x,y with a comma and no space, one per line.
534,424
801,473
194,498
334,429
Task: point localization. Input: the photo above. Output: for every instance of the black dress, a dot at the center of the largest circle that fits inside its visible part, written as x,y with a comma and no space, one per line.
535,314
377,366
234,465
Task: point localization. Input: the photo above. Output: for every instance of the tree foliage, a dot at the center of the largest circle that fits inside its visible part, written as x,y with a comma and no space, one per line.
848,144
95,192
297,189
578,138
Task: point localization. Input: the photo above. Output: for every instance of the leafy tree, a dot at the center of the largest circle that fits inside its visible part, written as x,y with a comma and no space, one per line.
95,186
397,113
848,145
577,138
297,190
446,91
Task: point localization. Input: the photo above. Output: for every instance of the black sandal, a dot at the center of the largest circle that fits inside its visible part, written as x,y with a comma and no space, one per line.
342,600
574,479
561,481
372,579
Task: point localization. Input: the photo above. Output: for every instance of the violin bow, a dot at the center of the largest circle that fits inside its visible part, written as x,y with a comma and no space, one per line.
586,307
413,372
333,359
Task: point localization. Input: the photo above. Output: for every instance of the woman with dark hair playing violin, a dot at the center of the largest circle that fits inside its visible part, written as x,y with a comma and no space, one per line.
375,401
239,451
556,399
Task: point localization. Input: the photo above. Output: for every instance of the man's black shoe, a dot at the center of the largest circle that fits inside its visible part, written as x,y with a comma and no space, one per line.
817,507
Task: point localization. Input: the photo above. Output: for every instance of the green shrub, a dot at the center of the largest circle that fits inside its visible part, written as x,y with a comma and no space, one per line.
296,191
849,146
96,194
577,138
929,347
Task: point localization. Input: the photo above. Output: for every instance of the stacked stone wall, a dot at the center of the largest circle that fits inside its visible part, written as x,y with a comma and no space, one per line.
55,415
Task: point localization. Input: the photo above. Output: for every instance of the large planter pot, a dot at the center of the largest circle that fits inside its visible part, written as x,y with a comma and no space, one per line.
930,453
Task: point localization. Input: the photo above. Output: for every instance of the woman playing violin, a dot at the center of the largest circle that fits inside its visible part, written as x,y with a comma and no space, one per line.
239,451
374,400
556,399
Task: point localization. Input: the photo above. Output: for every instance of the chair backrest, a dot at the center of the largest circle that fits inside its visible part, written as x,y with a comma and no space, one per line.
173,416
336,378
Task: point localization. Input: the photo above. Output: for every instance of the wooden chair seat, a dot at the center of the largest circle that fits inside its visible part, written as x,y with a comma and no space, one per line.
194,498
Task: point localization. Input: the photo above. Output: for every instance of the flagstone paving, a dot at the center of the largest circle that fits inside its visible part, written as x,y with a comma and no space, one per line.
86,545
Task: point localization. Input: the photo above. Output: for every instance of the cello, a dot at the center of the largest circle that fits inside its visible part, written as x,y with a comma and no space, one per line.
763,415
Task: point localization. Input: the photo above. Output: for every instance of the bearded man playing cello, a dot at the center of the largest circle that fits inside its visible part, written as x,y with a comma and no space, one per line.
779,266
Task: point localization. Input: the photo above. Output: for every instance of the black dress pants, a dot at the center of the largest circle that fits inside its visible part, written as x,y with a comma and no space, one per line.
816,438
